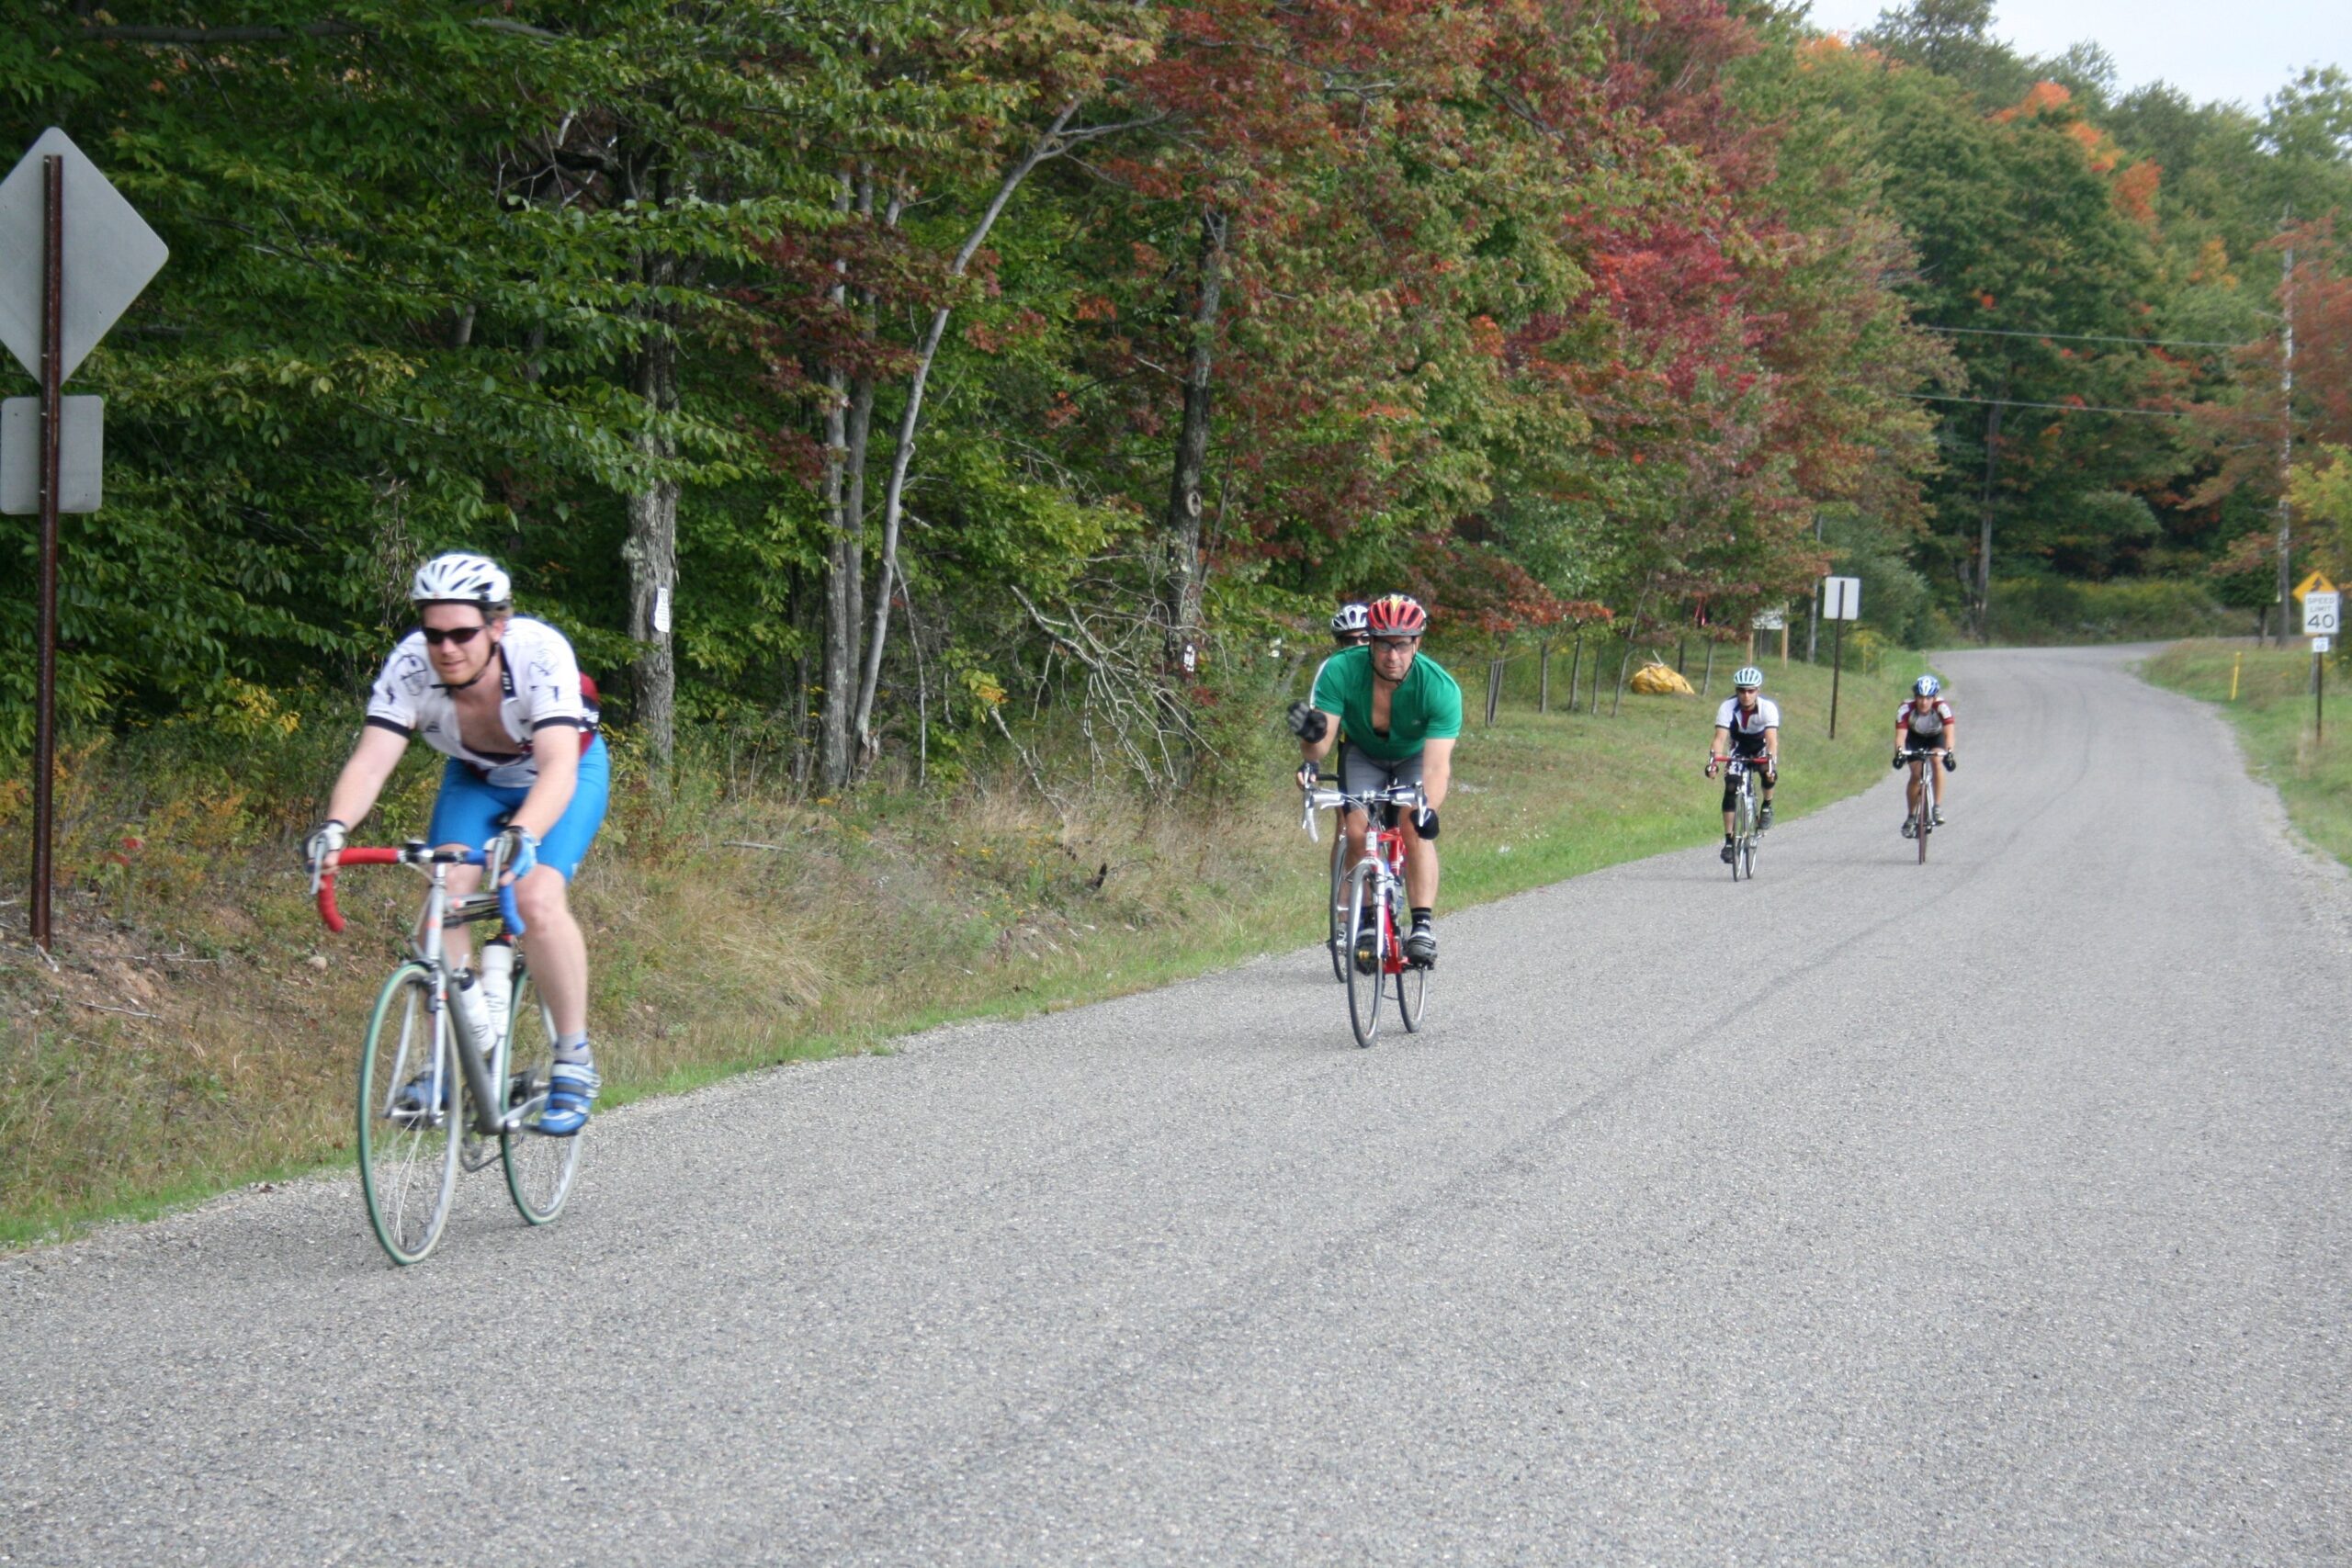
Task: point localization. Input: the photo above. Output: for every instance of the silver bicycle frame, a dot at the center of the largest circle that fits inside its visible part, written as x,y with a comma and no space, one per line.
484,1072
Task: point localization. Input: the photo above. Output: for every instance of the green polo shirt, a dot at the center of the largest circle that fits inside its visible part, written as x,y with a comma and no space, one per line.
1426,705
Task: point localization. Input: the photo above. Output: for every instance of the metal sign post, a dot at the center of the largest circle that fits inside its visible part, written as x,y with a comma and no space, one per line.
2323,613
52,395
2319,687
1841,601
53,312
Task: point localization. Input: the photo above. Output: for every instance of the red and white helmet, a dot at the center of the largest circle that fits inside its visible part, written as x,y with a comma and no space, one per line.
1397,615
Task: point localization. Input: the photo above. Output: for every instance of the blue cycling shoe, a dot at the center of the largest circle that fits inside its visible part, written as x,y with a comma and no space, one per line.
416,1101
571,1088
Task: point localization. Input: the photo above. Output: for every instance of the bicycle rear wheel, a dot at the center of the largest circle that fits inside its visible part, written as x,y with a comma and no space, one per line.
1339,930
539,1169
1365,983
408,1156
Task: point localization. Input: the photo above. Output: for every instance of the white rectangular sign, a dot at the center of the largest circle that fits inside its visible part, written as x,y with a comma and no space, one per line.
2321,614
1841,598
2321,644
1768,621
81,455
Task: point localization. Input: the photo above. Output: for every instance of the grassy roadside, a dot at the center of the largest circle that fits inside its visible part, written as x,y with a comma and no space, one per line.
2272,711
198,1030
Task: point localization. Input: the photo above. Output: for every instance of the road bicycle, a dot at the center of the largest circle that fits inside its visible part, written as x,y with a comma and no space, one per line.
1917,824
1373,959
432,1098
1744,832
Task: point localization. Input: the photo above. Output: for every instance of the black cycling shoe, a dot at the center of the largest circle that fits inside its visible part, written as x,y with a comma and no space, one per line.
1727,851
1764,817
1420,944
1910,828
1367,955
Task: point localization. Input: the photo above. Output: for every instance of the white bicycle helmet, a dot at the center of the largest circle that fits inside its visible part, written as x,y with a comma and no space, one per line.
1747,675
460,577
1926,686
1349,620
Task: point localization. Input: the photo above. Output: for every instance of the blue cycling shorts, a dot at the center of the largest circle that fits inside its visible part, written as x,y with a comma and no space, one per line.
470,812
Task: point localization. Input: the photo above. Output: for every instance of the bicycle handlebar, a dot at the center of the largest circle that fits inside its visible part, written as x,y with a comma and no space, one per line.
1315,800
333,917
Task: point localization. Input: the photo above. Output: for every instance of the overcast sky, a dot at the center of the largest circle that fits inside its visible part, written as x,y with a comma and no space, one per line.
2243,50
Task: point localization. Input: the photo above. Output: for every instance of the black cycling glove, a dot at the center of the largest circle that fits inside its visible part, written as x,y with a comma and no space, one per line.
1425,823
1309,722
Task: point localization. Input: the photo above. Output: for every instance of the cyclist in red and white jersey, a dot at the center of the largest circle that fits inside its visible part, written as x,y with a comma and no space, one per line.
1747,726
1925,723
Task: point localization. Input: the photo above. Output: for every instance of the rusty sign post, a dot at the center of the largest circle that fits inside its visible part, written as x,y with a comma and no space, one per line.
73,257
52,394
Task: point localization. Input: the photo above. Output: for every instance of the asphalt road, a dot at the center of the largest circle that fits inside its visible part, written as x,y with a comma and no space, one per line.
1994,1211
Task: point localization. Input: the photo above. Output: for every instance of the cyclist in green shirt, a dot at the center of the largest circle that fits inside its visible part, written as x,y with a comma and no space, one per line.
1402,714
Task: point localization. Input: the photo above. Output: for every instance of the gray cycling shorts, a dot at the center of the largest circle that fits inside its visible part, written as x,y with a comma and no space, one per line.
1360,775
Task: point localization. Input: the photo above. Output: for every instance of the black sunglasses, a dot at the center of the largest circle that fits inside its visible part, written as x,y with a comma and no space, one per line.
458,635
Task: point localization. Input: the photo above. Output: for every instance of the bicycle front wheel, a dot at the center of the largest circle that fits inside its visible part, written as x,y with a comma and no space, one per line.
1412,994
1338,929
1367,954
539,1169
409,1131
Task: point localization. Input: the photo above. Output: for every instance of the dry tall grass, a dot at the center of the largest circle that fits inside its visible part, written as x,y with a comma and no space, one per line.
198,1028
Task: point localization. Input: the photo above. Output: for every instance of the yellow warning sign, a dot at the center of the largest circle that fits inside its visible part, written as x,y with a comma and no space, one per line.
2315,583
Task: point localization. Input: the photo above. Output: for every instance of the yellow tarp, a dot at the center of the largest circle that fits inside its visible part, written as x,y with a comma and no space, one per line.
1657,680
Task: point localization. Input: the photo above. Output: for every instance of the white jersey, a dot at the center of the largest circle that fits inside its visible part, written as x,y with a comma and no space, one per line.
1924,717
539,685
1751,725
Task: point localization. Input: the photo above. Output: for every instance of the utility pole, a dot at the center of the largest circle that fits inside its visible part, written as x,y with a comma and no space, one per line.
1813,608
2286,437
1984,536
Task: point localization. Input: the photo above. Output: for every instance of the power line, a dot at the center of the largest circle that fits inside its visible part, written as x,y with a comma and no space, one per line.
2086,337
2063,408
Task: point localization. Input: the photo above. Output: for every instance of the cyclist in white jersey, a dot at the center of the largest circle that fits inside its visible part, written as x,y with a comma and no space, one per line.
1746,726
1925,723
499,696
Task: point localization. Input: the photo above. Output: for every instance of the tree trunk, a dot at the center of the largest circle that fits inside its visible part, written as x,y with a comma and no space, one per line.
650,549
1985,527
886,573
849,409
1180,605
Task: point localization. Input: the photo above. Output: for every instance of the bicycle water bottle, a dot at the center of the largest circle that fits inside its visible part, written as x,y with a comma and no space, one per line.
497,983
471,1010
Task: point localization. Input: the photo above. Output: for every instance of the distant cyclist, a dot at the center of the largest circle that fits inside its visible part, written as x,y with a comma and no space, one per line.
1402,713
1348,624
1747,726
1925,723
499,696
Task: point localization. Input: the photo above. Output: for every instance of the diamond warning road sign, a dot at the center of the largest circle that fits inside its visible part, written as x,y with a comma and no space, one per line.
110,255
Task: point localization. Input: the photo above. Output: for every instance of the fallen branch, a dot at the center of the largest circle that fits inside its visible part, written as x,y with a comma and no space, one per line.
101,1007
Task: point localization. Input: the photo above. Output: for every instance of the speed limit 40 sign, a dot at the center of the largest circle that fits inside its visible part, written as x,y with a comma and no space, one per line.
2323,614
